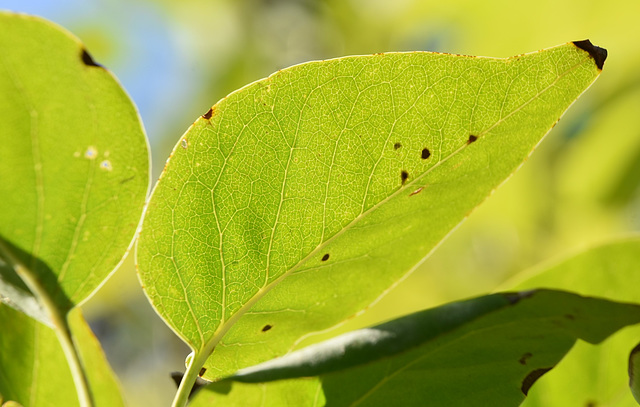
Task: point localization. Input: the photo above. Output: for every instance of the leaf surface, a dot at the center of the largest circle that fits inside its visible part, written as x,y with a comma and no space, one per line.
298,200
73,164
487,350
33,368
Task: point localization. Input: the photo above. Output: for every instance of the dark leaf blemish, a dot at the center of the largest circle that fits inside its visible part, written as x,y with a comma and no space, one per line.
570,317
591,403
598,54
124,181
425,153
397,146
202,371
208,114
325,257
633,352
524,358
404,176
88,60
532,378
472,138
266,328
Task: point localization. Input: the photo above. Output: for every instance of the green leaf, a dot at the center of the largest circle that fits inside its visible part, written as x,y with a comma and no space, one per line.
74,167
33,368
488,349
296,201
595,375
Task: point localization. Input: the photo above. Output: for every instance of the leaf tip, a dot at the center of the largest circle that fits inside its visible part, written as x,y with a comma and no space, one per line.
598,54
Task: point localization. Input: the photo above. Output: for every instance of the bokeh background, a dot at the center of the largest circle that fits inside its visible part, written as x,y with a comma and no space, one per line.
177,58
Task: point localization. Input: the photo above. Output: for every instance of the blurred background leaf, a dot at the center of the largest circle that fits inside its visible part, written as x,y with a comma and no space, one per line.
176,59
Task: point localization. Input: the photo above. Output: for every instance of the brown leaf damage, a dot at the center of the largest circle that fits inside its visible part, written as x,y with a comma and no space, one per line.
598,54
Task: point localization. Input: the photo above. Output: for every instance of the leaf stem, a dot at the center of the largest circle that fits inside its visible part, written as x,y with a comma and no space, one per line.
60,323
189,378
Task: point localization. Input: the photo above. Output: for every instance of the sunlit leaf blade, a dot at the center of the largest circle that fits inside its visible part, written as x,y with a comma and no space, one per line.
485,351
591,375
299,199
33,368
73,164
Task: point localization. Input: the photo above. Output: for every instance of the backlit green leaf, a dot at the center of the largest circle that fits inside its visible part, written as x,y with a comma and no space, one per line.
73,165
485,351
33,368
298,200
591,375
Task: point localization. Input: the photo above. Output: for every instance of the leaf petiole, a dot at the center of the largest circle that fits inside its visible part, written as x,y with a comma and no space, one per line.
60,324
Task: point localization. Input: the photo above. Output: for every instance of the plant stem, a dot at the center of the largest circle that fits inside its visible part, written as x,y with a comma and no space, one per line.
60,324
65,337
189,378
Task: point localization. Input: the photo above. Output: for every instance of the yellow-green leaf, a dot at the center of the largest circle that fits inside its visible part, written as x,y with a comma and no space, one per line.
298,200
74,167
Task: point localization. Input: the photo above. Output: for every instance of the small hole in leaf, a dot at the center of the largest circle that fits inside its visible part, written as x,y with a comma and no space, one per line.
425,153
202,371
325,257
472,138
404,176
397,146
266,328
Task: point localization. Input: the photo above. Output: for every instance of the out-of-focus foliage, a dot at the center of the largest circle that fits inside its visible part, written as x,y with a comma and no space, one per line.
178,58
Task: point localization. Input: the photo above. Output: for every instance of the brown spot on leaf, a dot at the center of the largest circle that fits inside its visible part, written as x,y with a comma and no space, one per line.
397,146
404,176
208,115
325,257
472,138
417,191
88,60
202,371
124,181
599,55
524,358
591,403
532,378
570,316
425,153
266,328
